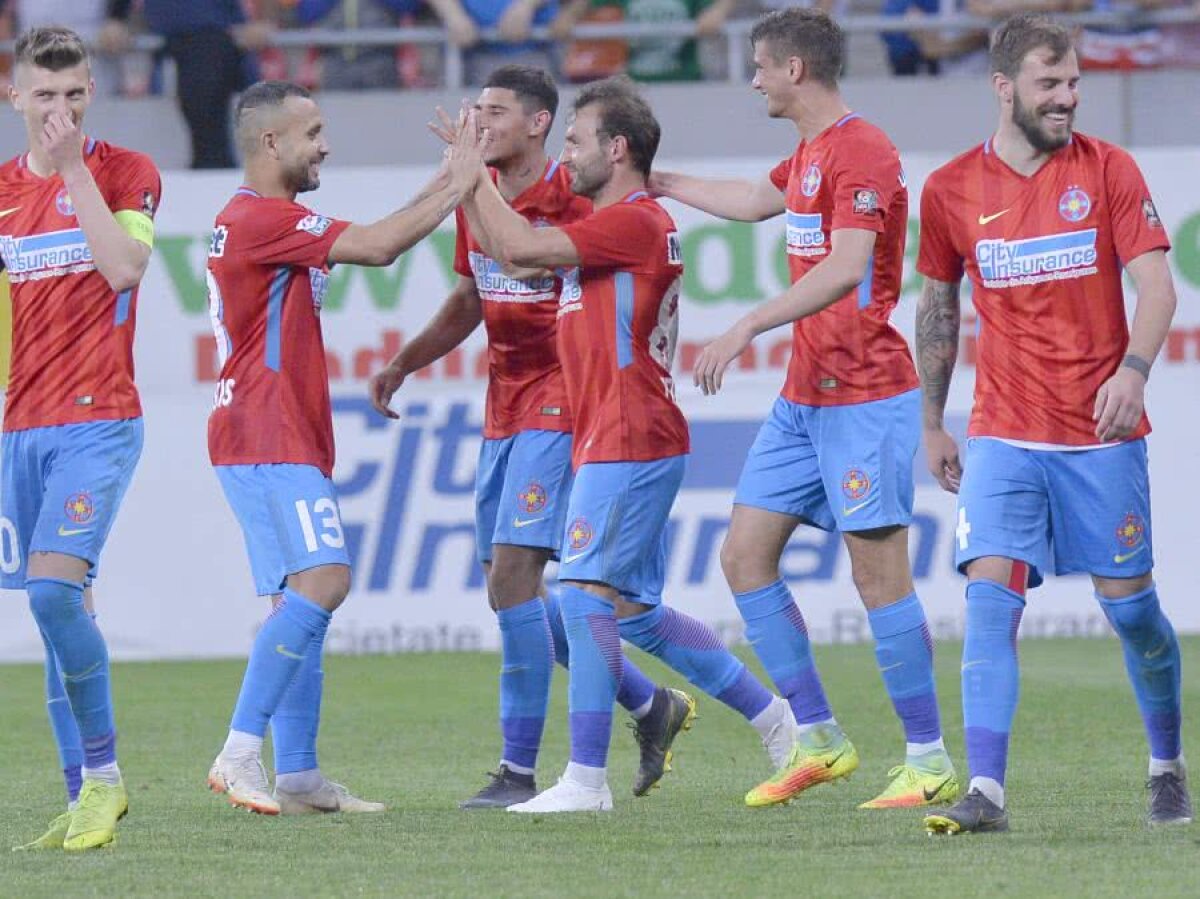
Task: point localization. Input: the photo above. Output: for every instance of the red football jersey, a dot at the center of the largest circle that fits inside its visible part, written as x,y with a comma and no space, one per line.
848,176
1044,256
72,334
618,319
267,275
525,382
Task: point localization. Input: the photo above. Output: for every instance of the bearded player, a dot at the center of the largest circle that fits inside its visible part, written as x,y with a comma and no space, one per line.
270,435
1043,220
524,474
76,230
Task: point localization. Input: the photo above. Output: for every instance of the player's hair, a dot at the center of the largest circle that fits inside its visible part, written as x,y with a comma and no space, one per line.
50,47
1018,35
810,34
533,86
624,113
258,96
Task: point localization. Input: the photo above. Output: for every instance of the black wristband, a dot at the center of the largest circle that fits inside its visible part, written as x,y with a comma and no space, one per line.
1138,364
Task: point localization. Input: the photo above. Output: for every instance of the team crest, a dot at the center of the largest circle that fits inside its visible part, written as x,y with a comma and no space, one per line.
79,508
811,182
532,498
1150,213
1131,530
63,203
1074,204
579,534
855,483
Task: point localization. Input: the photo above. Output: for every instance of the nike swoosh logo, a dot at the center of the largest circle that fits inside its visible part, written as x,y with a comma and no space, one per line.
833,761
1121,558
984,219
4,212
929,795
890,667
974,663
1154,653
853,509
576,556
526,522
71,532
284,651
513,669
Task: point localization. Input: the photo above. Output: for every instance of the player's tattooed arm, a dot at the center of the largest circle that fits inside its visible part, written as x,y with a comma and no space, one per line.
938,317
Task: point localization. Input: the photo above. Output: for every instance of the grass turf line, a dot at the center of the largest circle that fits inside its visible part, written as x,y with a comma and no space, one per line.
419,731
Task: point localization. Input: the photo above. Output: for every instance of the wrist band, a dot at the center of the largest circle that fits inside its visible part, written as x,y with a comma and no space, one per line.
1138,364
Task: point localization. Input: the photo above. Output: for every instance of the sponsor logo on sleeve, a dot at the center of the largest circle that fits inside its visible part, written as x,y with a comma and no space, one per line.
314,224
674,249
1151,214
148,203
866,201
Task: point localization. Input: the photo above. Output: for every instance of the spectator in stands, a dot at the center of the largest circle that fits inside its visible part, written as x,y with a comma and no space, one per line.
951,51
514,19
657,58
84,17
361,67
212,44
903,52
1125,48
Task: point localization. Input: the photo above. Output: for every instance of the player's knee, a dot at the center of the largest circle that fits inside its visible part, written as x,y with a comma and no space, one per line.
325,585
514,577
1121,587
746,568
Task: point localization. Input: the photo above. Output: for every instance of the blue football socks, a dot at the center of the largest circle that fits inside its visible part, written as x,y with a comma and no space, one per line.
1152,661
990,677
694,650
904,651
279,649
82,662
776,630
636,690
596,671
297,718
526,662
62,723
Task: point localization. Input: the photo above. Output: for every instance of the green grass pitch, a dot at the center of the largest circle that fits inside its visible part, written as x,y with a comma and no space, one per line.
419,732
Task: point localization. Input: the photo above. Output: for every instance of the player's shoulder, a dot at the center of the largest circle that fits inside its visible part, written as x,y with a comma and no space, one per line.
12,170
1088,149
110,155
954,170
860,132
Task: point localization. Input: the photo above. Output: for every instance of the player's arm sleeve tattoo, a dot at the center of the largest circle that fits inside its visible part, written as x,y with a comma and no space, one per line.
937,345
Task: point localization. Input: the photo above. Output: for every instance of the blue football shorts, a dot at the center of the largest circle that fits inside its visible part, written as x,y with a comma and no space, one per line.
617,523
521,489
1082,511
847,468
289,517
60,489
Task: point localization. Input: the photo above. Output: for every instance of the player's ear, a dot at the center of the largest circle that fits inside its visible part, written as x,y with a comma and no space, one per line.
618,148
542,120
14,97
1003,87
795,69
269,141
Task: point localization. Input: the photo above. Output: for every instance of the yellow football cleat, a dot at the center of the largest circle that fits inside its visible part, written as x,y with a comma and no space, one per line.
913,787
52,838
94,821
806,767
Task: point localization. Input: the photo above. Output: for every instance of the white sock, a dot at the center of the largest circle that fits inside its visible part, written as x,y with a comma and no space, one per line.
516,769
1174,766
644,709
803,730
586,776
913,750
992,789
109,774
776,712
240,744
300,781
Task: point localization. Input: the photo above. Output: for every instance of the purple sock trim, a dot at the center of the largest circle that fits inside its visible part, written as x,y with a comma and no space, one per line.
1162,731
522,738
683,630
987,753
792,612
101,751
747,696
73,776
636,689
919,714
590,736
806,696
608,639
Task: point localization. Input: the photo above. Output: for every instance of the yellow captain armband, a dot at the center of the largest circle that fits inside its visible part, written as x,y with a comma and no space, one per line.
137,225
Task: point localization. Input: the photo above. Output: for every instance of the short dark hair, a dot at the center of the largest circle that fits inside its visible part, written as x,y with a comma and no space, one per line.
50,47
263,94
624,113
811,34
1018,35
533,86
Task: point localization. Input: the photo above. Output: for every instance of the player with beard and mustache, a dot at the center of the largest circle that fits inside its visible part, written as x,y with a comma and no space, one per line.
1043,220
270,435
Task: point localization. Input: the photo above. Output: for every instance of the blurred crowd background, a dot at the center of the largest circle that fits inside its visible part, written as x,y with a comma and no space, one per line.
205,51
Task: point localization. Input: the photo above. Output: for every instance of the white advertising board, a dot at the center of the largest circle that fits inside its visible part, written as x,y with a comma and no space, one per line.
174,579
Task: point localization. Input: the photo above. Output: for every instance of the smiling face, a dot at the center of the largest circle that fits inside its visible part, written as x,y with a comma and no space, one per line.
38,93
299,143
1043,97
774,78
587,153
508,127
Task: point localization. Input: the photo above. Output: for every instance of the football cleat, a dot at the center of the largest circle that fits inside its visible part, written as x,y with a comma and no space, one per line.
778,742
507,787
329,797
243,781
567,796
53,838
915,786
1169,800
94,819
671,713
974,813
832,757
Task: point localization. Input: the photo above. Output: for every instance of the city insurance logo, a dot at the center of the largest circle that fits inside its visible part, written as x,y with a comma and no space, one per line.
5,329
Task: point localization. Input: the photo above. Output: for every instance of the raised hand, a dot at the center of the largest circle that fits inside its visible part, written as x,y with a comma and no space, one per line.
62,142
